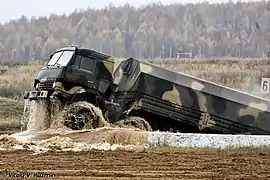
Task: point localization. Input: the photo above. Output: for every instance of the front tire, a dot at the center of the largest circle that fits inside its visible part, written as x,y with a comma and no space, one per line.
84,115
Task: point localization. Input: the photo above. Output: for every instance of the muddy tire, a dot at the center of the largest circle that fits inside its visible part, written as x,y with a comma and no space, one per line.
136,122
83,115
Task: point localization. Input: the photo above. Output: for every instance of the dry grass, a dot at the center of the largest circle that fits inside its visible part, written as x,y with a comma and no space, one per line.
243,75
18,78
239,74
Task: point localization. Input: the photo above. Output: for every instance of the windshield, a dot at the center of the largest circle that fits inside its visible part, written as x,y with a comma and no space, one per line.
61,58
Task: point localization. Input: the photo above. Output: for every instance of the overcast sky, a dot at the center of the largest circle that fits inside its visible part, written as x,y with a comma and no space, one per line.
13,9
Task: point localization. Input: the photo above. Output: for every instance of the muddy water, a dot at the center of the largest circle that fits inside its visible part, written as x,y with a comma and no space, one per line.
43,134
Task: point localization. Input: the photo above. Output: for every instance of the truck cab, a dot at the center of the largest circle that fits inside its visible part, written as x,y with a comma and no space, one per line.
71,71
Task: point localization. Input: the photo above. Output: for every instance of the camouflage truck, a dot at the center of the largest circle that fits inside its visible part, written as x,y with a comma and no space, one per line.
145,96
71,77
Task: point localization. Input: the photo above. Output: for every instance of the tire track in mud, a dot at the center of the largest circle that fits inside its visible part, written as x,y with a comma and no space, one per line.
182,164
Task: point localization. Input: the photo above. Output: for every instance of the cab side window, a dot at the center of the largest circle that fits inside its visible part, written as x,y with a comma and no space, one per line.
87,63
76,61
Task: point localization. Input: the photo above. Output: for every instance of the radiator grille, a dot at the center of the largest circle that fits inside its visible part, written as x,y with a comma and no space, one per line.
47,85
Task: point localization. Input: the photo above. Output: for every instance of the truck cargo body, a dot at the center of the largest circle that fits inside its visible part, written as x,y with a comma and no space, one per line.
189,100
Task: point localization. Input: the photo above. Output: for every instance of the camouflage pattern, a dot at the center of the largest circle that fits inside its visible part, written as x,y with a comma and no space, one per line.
191,100
137,85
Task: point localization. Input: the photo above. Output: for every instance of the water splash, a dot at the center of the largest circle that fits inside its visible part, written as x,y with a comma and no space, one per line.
47,132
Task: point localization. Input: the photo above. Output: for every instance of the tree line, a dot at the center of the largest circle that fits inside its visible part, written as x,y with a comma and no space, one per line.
153,31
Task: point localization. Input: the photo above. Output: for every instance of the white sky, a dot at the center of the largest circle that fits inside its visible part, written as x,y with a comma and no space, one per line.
13,9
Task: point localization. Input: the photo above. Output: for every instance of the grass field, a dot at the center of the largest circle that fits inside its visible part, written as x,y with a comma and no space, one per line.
10,114
243,74
18,78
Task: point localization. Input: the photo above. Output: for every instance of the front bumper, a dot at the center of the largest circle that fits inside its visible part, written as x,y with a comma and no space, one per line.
36,94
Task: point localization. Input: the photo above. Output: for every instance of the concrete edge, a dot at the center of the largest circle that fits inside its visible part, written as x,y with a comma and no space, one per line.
206,140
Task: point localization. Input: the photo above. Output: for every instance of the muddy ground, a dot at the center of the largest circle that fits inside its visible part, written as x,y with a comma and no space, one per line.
177,164
139,164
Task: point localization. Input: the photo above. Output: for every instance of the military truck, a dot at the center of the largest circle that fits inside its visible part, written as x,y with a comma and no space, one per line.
145,96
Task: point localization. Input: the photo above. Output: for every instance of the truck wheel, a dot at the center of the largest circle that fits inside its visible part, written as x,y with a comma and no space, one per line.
84,115
136,122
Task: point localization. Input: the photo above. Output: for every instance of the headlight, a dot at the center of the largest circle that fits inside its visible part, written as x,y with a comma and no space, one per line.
37,85
57,85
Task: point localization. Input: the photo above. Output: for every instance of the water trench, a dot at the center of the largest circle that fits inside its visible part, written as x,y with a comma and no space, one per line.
43,133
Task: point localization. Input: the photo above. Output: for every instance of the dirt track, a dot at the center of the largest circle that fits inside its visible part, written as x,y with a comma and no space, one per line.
141,165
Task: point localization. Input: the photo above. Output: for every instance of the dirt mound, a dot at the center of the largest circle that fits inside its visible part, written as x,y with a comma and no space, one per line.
91,136
110,135
102,139
57,142
7,142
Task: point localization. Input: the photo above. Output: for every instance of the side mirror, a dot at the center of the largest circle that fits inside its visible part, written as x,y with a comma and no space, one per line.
51,56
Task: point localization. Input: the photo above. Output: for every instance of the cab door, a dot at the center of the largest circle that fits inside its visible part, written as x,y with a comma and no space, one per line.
82,71
87,68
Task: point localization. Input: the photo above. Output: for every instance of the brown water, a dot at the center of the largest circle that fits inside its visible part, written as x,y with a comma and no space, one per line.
43,134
